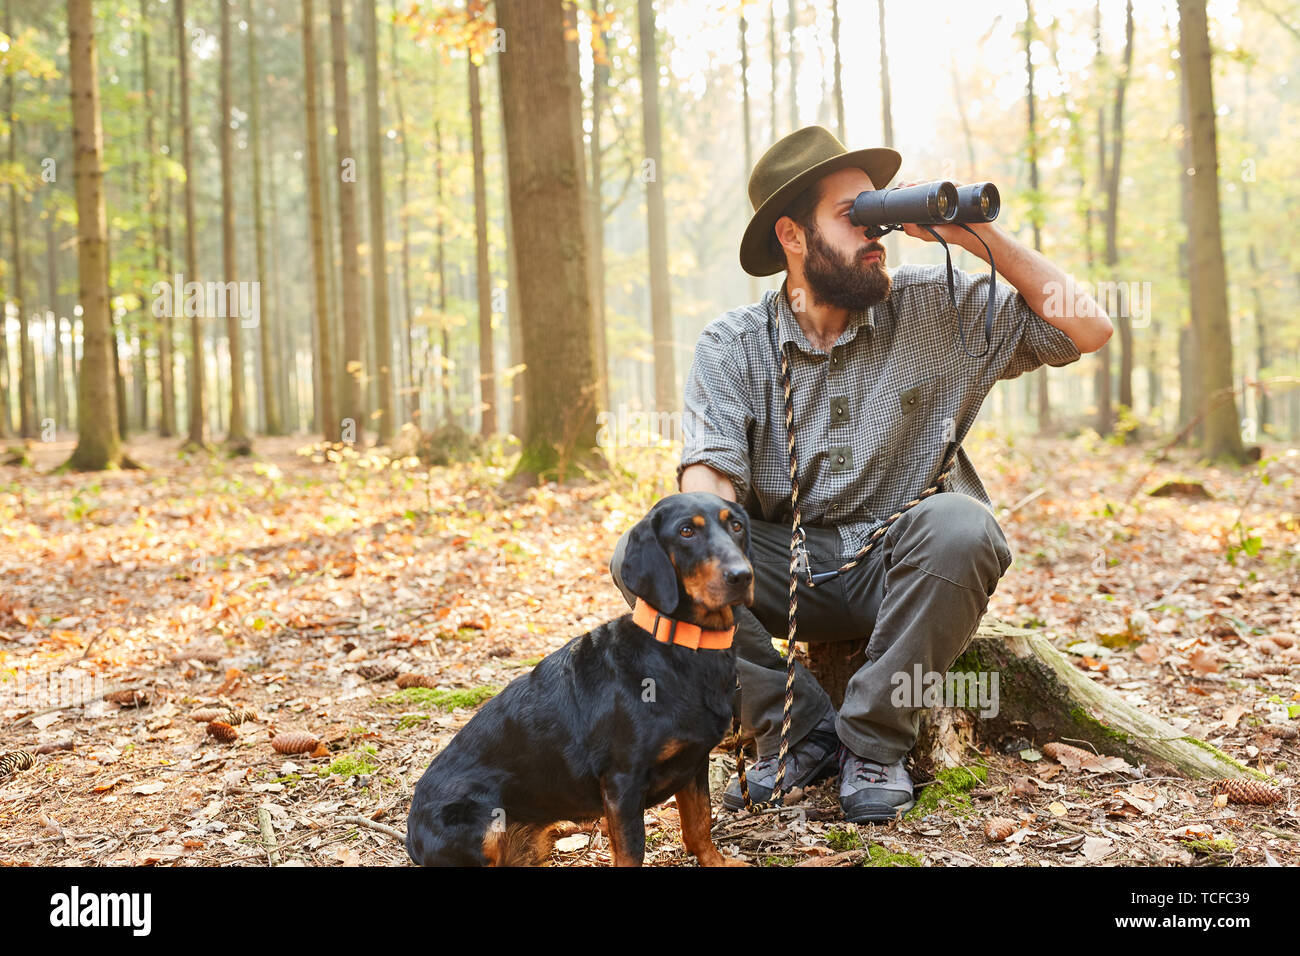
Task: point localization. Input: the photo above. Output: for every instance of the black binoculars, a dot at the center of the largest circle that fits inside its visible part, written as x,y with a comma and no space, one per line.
882,210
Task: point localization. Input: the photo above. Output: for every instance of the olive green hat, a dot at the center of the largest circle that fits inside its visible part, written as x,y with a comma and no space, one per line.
793,164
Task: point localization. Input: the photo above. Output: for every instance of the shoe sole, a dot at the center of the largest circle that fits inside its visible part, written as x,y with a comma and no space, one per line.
880,816
737,802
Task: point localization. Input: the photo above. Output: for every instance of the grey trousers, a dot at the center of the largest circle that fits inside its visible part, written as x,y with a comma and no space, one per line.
917,598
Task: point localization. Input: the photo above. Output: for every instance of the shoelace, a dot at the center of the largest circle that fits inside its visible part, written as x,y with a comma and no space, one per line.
870,771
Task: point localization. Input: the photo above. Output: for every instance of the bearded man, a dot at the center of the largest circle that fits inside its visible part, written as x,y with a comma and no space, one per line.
881,391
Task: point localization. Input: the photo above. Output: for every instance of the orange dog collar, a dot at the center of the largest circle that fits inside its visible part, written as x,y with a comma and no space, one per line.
667,630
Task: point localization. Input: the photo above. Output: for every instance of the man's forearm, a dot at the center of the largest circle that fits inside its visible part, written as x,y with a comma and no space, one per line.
700,477
1047,290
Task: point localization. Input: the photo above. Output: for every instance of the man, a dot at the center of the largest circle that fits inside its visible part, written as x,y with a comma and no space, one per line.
881,387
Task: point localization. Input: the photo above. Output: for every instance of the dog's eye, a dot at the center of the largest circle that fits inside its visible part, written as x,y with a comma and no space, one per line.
736,526
687,531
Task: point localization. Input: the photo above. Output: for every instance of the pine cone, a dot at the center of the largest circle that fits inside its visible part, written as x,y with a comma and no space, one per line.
1282,731
242,716
14,761
222,731
203,657
1057,750
377,671
998,829
415,680
1252,792
206,715
1266,670
131,697
294,742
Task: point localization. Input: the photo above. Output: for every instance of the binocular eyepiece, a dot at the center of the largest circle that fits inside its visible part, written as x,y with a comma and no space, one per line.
933,203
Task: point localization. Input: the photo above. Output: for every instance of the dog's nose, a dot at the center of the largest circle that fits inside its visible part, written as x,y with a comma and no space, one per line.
738,576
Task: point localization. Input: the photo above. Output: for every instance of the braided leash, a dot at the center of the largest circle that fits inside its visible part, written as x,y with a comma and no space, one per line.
798,559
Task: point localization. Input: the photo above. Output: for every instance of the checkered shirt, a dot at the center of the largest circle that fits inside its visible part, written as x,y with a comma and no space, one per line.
871,418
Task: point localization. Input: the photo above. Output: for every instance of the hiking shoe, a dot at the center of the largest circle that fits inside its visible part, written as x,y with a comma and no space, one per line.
872,792
811,759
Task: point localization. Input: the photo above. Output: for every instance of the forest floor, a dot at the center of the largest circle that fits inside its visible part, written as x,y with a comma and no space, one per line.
292,585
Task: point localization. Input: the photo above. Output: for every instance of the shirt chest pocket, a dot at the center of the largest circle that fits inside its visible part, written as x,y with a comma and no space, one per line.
907,419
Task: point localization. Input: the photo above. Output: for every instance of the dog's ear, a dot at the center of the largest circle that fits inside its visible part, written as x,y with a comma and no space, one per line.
647,571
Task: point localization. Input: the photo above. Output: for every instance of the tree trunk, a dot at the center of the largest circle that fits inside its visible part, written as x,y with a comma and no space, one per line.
1044,402
661,322
886,115
518,381
98,443
1123,321
353,340
483,270
378,231
596,204
268,319
408,406
164,258
1208,277
52,268
839,85
548,202
198,437
328,422
237,439
26,358
745,114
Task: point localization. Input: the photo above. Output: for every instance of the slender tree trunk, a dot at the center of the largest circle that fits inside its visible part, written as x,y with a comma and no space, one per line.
518,382
165,257
98,443
839,86
52,268
328,422
749,138
547,197
198,436
1101,374
886,115
771,61
486,356
666,397
407,406
444,366
1123,320
237,436
1209,283
26,359
268,320
378,232
353,339
1044,405
792,21
596,203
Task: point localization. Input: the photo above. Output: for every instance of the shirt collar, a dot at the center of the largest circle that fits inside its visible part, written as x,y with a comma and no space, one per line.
789,330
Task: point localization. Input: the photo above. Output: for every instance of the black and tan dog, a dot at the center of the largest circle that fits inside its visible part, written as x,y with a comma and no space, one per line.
616,721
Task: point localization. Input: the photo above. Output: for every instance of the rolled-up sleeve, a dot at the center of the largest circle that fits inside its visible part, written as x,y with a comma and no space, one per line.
718,412
1022,340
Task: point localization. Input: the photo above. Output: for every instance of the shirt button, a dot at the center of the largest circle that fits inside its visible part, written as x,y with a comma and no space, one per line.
840,459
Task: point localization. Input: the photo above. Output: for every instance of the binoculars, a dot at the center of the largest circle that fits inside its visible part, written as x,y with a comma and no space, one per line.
882,210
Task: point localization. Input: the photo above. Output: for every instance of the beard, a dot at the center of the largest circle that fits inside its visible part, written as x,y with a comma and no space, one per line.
836,281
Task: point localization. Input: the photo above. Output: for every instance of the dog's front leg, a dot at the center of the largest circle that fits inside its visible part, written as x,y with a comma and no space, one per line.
697,821
623,796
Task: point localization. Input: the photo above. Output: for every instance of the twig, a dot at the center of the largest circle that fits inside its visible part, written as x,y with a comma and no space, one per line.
113,689
268,835
382,828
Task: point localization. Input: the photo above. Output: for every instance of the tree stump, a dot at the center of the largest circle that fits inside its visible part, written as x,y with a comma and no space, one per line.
1042,697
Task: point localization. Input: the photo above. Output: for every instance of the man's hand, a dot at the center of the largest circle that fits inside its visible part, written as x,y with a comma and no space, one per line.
700,477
